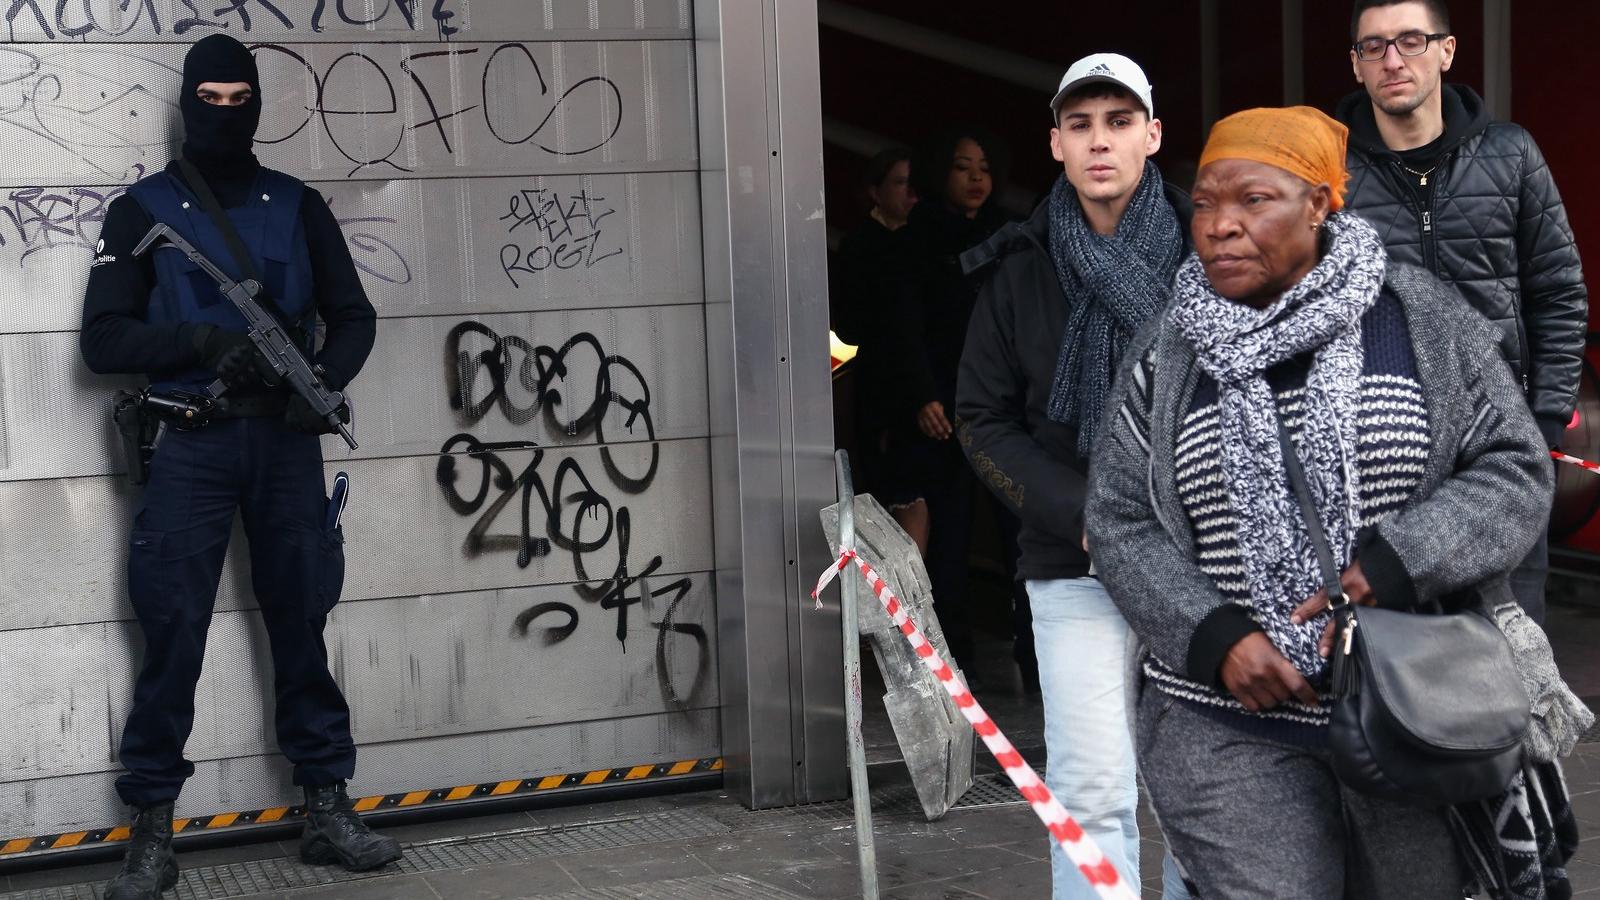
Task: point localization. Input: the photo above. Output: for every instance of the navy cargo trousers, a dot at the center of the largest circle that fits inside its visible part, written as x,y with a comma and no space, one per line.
273,477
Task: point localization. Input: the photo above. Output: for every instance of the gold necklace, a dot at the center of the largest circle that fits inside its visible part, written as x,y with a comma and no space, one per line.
1423,176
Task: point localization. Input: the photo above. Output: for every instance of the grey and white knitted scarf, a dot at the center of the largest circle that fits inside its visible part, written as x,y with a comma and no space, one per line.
1236,345
1114,284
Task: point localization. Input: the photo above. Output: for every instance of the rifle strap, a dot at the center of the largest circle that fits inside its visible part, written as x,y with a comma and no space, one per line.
241,256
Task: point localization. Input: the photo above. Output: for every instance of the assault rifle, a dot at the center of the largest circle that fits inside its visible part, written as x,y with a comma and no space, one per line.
266,332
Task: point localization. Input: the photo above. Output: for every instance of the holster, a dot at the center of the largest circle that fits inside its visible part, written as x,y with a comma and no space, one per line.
139,428
141,417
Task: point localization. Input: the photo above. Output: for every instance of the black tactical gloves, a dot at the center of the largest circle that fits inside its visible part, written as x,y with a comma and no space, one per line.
300,417
235,360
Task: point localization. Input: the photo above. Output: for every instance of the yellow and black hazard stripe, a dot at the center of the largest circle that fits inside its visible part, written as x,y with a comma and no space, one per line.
404,800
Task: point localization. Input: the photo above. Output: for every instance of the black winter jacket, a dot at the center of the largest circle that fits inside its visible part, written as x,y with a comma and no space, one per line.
1497,231
934,305
1029,462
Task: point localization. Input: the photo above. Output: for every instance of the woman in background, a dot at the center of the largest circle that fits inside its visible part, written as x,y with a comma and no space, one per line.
954,176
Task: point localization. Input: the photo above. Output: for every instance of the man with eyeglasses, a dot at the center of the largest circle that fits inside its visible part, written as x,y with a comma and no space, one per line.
1472,200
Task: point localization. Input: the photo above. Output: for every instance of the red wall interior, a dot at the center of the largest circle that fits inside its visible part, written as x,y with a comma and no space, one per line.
1553,81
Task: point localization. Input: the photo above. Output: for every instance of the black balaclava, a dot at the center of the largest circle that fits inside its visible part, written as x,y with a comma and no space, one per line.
217,139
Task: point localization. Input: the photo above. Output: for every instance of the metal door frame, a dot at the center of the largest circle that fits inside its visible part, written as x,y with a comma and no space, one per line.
765,247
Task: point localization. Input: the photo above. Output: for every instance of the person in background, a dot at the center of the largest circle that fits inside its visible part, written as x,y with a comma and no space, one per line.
1472,201
868,268
1429,476
1062,294
954,175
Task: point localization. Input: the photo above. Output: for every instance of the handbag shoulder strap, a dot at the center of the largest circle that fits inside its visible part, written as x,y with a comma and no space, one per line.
1308,509
230,236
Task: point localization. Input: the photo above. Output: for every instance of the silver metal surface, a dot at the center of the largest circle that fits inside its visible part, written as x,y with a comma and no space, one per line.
104,114
804,318
411,668
771,424
65,539
88,801
516,181
229,880
745,747
1497,26
755,618
487,245
343,21
623,380
1294,52
935,739
1210,64
860,795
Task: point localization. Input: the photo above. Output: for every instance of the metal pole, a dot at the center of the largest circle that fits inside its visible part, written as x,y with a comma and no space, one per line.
1210,65
1497,57
1294,72
866,849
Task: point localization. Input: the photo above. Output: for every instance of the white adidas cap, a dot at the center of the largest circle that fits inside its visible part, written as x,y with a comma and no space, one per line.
1112,68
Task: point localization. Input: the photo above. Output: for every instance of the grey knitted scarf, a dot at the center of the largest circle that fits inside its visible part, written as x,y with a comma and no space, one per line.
1114,284
1236,345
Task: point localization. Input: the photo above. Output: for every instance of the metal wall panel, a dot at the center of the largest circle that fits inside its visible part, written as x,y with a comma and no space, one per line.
518,183
488,245
66,539
81,802
613,377
343,21
770,407
94,114
808,391
415,667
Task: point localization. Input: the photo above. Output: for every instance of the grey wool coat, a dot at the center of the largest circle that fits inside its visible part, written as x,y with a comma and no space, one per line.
1484,498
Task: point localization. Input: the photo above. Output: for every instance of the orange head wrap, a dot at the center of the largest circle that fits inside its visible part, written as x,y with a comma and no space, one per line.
1297,139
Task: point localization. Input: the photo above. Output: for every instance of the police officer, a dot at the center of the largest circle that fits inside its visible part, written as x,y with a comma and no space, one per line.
159,315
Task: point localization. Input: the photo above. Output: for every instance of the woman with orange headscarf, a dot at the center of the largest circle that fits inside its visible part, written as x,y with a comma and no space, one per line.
1416,444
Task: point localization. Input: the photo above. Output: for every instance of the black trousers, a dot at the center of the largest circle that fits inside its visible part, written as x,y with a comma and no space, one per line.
949,534
272,476
1528,578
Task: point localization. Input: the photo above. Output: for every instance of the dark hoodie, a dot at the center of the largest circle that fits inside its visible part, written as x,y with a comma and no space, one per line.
1491,223
218,141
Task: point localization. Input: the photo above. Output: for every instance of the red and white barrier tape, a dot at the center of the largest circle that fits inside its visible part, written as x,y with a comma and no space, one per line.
1580,463
1081,849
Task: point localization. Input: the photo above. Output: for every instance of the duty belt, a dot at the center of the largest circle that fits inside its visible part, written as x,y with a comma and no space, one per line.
251,406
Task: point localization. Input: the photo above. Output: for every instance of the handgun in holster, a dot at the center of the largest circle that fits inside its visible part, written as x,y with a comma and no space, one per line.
142,419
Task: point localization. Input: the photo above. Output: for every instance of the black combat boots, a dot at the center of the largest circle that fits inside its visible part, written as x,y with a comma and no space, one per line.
149,868
335,834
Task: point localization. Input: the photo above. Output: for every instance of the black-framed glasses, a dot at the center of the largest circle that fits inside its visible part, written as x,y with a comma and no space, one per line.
1412,43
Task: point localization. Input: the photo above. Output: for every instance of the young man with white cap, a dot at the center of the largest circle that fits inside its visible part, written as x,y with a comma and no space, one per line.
1063,294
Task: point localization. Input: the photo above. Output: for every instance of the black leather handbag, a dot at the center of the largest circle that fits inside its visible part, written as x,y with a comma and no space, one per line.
1429,709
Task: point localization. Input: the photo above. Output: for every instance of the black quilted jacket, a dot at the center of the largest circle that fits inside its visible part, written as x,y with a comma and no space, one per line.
1497,231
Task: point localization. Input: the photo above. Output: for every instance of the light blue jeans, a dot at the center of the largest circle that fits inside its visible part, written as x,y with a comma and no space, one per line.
1083,645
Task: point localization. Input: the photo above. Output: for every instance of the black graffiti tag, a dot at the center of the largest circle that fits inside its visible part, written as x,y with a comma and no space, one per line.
561,509
525,380
116,18
355,100
565,232
37,218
